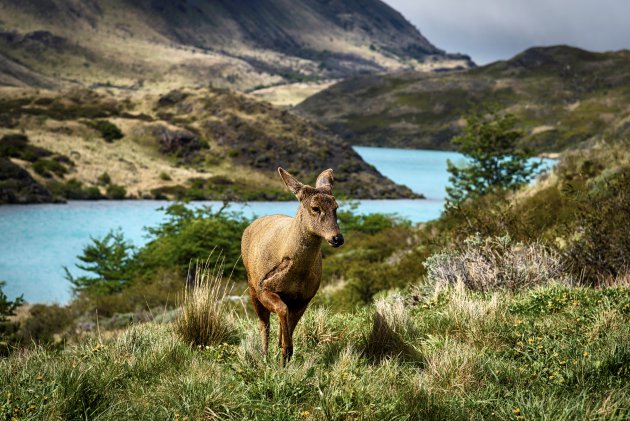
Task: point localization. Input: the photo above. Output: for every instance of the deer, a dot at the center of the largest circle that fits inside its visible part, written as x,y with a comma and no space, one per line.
283,259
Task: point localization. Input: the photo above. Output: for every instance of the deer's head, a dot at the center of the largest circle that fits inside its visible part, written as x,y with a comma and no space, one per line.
318,207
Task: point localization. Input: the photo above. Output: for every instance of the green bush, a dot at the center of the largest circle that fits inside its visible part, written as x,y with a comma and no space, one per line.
47,167
116,192
73,190
108,130
8,328
599,248
191,234
44,322
17,146
104,179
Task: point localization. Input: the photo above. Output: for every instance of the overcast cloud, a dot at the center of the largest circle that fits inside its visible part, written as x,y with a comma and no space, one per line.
489,30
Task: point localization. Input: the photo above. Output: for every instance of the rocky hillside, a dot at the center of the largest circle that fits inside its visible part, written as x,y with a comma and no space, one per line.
187,144
563,96
242,44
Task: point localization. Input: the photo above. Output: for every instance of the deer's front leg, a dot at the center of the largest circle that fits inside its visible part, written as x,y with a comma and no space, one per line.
273,302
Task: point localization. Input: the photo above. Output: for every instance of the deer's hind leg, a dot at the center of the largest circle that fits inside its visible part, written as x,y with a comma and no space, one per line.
263,316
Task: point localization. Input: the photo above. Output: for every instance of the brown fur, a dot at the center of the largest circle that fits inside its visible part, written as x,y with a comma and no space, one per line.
283,259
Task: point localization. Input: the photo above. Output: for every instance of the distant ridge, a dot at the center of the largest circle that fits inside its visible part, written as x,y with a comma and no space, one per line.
563,96
227,43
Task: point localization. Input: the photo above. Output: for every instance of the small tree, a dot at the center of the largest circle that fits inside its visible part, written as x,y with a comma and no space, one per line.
495,160
108,258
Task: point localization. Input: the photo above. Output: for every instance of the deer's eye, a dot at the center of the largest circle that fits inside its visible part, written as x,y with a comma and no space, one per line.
315,209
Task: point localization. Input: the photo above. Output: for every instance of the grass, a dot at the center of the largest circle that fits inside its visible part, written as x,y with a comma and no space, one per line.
204,317
554,352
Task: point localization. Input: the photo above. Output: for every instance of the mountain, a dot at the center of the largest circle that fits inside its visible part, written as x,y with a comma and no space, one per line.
241,44
563,96
186,144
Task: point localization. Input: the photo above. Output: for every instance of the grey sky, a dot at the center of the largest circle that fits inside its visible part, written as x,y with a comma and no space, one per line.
489,30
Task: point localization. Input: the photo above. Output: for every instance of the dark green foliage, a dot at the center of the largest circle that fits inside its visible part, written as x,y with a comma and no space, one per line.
367,224
364,261
17,146
8,328
220,188
116,192
109,260
108,130
74,190
44,322
495,161
165,177
601,248
193,234
48,167
104,179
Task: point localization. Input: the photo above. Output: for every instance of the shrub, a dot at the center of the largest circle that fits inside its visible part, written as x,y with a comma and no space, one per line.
165,177
116,192
7,327
44,322
45,167
104,179
190,234
495,263
74,190
204,318
599,247
109,131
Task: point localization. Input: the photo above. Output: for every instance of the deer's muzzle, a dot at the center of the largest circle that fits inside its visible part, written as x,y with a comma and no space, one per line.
336,241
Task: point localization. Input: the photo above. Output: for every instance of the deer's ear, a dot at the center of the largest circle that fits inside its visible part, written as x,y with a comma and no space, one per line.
325,180
291,182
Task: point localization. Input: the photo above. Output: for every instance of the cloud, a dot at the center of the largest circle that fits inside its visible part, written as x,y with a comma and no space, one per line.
490,30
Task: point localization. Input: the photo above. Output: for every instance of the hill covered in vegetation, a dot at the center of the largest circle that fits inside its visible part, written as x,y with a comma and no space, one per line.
562,96
187,144
239,44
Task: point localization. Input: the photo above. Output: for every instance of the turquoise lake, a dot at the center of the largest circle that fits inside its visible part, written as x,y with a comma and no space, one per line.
37,241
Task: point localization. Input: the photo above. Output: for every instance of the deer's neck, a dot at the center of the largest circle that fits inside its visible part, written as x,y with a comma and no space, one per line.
301,246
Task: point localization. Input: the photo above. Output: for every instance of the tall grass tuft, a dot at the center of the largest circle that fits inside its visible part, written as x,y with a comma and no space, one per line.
205,318
390,325
495,263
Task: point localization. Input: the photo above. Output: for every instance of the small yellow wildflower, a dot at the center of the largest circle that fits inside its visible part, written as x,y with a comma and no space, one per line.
585,354
305,414
563,362
516,410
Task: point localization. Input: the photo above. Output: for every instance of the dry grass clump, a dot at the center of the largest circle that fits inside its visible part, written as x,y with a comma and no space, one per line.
455,367
205,319
316,327
392,322
495,263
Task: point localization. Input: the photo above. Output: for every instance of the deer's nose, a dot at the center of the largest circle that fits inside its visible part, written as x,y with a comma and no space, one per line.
337,240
